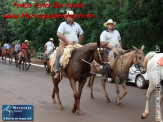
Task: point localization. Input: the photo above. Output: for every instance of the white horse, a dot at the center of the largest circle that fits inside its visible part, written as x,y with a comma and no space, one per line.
155,74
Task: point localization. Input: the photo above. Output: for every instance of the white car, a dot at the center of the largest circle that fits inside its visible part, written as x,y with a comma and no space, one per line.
141,80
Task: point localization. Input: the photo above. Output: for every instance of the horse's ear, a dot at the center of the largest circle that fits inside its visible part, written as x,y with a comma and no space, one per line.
134,48
98,43
142,48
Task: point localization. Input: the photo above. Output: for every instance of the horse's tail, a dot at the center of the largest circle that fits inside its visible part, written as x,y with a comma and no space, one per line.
148,57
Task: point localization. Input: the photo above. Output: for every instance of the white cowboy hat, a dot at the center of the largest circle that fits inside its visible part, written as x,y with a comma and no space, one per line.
70,13
109,21
26,41
51,39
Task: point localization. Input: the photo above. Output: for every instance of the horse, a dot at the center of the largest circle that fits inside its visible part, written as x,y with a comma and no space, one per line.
46,62
78,69
9,54
25,58
155,74
120,71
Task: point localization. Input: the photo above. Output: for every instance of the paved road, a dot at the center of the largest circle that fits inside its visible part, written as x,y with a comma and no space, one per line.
35,86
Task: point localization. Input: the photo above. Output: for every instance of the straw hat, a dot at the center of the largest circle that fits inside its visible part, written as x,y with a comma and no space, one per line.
51,39
109,21
26,41
70,13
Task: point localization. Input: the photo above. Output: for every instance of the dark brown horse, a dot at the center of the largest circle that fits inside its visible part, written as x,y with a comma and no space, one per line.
78,69
120,71
24,60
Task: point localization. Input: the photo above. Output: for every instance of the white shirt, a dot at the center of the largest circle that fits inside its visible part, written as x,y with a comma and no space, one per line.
71,33
49,45
112,38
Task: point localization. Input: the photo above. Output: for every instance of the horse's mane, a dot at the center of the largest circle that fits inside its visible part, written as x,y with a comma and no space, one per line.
148,57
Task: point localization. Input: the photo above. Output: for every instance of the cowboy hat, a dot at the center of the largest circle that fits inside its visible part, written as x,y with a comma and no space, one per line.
51,39
70,13
109,21
26,41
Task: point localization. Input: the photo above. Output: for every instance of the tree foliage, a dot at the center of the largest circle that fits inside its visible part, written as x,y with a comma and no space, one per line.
138,21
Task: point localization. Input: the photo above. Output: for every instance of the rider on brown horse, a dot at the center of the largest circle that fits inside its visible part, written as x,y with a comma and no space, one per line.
49,47
68,32
24,49
111,36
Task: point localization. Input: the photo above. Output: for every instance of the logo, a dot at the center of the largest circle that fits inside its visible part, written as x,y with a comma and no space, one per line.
17,112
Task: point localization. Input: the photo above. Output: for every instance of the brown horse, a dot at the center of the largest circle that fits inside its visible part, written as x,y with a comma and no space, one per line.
9,54
120,71
24,60
78,69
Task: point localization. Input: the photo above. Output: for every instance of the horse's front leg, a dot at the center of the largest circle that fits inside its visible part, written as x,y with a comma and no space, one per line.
90,84
125,89
20,61
23,64
151,88
5,59
117,89
104,89
76,95
80,88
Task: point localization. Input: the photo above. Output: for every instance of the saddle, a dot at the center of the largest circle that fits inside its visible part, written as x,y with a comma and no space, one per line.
65,58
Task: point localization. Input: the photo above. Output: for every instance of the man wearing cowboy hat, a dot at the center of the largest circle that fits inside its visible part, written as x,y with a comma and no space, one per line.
25,46
69,32
111,36
49,47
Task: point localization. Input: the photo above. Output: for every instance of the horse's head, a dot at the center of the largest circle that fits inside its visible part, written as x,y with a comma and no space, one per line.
101,57
139,59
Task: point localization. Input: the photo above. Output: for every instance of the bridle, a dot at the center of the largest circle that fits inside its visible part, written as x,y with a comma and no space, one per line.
137,63
96,65
98,49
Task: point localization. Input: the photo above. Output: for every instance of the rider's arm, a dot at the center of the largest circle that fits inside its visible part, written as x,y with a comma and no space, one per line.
81,38
104,43
45,46
60,36
120,42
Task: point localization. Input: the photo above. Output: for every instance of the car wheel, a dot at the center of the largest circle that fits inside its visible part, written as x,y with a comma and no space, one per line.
140,82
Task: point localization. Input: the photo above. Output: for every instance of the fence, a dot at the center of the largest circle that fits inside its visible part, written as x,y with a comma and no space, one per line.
39,55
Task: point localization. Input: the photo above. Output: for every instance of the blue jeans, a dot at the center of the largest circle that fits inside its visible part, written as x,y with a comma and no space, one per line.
57,64
108,50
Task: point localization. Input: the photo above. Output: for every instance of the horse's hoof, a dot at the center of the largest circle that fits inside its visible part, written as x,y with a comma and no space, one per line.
92,97
119,105
108,100
60,107
144,115
73,110
53,101
80,112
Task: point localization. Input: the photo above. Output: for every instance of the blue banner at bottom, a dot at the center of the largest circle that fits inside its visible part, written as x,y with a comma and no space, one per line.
17,112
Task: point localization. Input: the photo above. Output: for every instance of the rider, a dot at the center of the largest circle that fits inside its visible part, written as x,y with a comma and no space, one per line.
24,48
111,36
68,33
17,47
49,46
7,47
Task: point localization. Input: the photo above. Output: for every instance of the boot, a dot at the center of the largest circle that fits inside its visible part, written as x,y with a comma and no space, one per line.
56,75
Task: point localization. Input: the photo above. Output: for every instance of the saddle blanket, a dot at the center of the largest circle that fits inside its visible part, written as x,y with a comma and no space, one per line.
160,61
